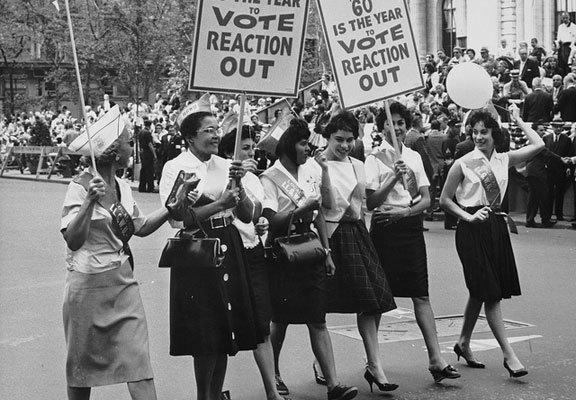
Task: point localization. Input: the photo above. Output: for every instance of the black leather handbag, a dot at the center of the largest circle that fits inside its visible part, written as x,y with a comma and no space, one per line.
192,249
302,248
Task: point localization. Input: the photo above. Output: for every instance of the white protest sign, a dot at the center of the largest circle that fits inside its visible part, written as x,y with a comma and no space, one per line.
249,46
372,49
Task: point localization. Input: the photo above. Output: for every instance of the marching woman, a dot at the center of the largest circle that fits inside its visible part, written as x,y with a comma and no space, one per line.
292,192
359,284
398,192
257,267
211,309
479,180
104,320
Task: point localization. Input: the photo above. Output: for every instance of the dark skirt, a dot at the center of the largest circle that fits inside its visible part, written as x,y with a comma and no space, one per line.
212,309
260,282
359,284
486,254
402,252
105,328
298,292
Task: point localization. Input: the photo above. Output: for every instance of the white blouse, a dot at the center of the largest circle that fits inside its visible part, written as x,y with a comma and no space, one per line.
377,173
102,249
470,192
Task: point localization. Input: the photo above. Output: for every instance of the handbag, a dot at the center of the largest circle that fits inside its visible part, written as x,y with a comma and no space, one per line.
303,248
188,250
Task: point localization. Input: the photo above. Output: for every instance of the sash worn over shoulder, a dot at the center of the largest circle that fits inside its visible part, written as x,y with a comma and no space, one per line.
411,184
490,184
122,224
287,185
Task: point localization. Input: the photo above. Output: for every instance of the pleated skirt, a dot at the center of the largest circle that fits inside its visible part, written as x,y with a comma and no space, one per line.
105,328
487,258
359,284
402,252
212,309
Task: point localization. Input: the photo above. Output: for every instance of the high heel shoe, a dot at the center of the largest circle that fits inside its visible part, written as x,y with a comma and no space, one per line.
384,387
471,363
449,372
515,373
318,376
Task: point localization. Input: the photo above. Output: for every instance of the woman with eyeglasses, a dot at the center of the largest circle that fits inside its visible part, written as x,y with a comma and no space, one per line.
211,310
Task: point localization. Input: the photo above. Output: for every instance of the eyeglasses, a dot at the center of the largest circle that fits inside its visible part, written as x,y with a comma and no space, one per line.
211,130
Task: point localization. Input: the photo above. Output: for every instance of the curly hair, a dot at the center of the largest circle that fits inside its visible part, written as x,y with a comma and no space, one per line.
345,121
395,108
490,123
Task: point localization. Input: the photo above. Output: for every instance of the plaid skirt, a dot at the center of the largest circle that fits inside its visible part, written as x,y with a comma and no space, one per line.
359,284
487,258
105,328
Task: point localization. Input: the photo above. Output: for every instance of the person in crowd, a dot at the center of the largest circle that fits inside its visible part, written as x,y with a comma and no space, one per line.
516,89
503,71
443,59
431,77
557,87
396,228
559,144
293,193
359,285
551,67
528,68
537,178
104,320
434,144
537,52
487,61
211,310
471,55
328,84
566,104
572,160
538,105
504,50
478,181
257,268
148,158
565,36
457,56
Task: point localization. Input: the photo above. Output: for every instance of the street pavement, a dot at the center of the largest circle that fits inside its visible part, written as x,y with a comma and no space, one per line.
541,322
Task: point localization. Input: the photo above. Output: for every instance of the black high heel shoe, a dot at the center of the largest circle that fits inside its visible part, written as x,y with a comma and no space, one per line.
318,376
449,372
515,373
471,363
384,387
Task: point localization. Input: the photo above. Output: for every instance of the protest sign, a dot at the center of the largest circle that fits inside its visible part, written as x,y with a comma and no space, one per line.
249,46
372,49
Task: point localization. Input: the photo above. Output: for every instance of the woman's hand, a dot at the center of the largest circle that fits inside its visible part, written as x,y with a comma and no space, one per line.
390,214
480,215
262,226
96,189
400,168
249,165
329,265
321,159
193,197
312,203
236,170
230,198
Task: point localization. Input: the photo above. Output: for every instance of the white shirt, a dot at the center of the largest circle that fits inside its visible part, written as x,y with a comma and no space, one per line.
377,173
566,34
470,192
102,249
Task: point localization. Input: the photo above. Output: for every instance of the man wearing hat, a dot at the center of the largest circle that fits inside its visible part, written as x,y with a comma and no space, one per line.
566,36
561,145
515,89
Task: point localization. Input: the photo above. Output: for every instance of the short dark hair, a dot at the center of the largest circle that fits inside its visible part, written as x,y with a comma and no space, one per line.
395,108
228,141
345,121
297,131
490,123
191,124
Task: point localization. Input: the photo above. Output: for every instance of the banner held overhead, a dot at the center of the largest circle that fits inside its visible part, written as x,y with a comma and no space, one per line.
252,47
372,49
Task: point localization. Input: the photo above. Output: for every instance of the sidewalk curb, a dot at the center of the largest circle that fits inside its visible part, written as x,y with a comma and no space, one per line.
63,181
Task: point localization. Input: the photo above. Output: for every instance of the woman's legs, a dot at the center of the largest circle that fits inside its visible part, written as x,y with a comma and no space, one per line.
142,390
368,328
264,357
78,393
209,371
425,319
494,317
277,335
471,313
322,349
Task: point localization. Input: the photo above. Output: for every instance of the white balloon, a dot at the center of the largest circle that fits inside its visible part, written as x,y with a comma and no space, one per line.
469,85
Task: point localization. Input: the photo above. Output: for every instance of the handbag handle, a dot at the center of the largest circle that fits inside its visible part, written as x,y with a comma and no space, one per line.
196,221
290,223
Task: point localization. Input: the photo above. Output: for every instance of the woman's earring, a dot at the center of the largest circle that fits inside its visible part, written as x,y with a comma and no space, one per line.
117,158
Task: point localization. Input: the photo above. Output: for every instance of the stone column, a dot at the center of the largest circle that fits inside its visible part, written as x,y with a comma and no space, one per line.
508,22
418,19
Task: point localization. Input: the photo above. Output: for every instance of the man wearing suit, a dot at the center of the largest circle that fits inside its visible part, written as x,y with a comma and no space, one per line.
561,145
528,67
537,178
566,105
557,87
538,105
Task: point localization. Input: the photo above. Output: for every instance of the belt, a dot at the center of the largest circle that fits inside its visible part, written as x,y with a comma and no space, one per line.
220,222
497,211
